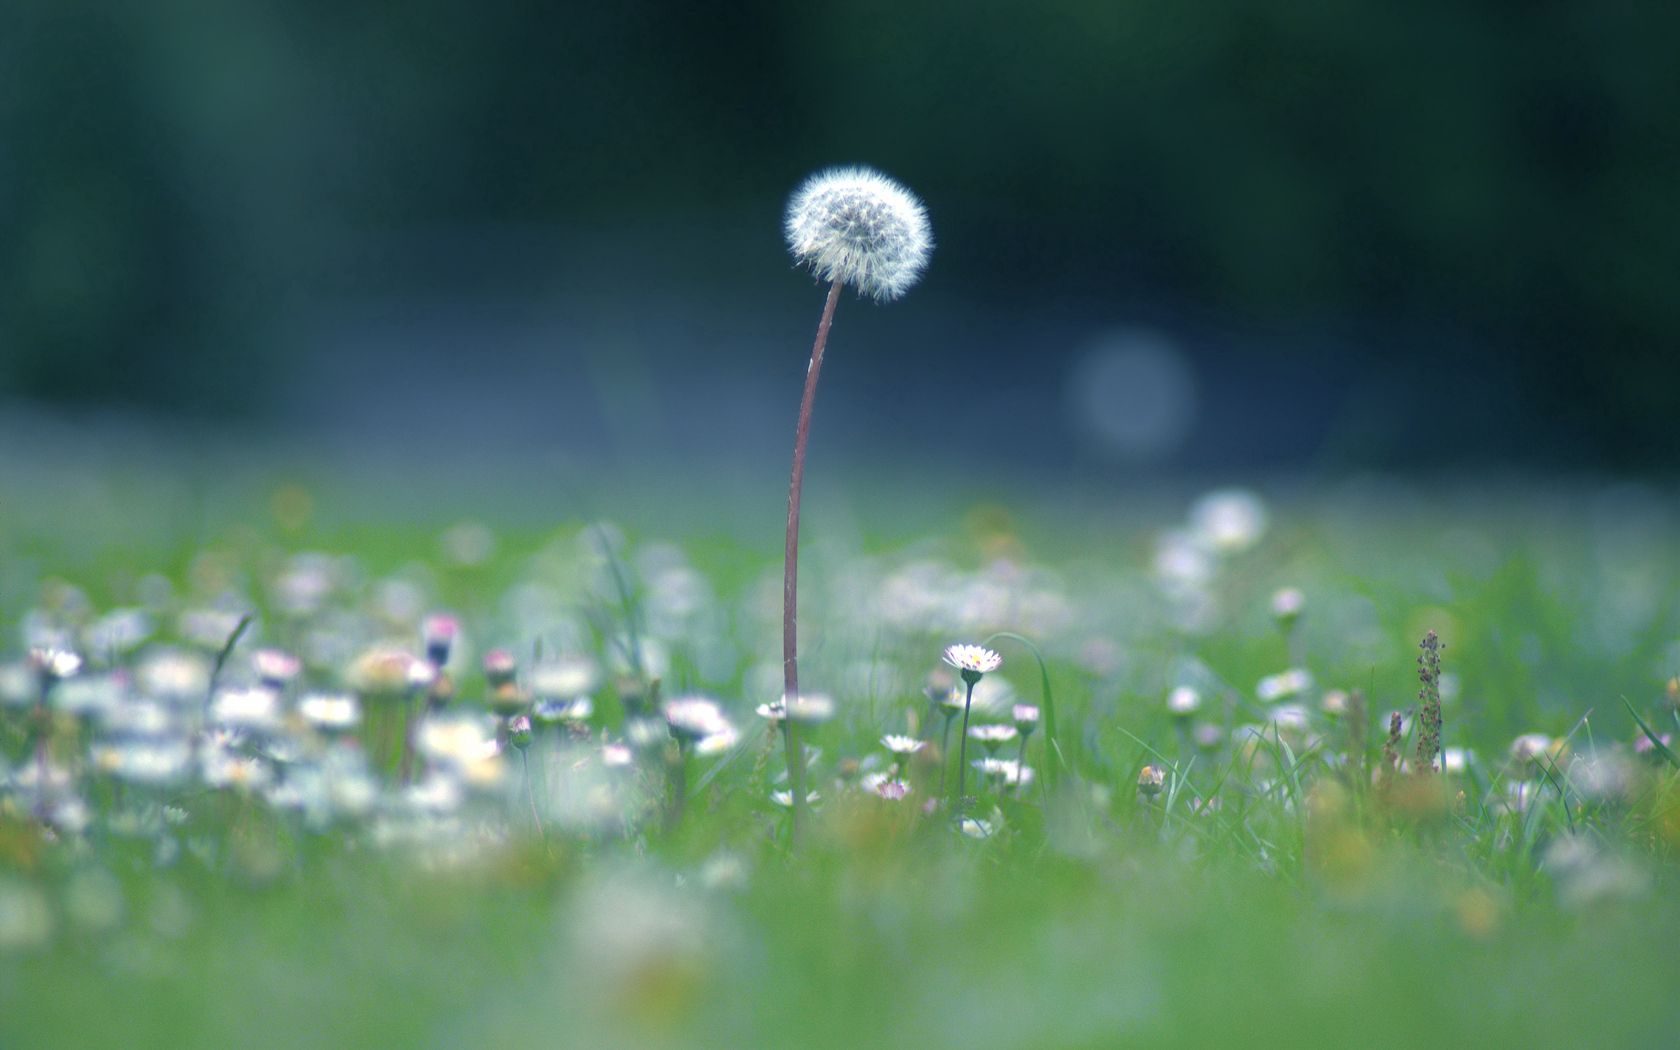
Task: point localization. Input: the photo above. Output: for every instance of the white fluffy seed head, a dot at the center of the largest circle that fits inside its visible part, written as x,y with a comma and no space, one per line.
857,226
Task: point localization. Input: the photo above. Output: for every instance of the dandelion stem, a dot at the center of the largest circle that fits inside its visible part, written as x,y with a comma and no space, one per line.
962,751
790,565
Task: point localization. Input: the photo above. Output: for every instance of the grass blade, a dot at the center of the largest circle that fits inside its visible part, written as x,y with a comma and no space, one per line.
1048,699
1650,734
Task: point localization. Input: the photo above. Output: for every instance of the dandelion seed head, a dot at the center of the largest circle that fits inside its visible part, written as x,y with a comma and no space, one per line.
859,227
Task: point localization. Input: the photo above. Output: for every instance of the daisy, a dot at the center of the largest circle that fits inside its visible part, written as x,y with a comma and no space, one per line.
972,659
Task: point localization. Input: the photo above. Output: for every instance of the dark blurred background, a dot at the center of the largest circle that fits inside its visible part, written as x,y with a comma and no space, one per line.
1172,237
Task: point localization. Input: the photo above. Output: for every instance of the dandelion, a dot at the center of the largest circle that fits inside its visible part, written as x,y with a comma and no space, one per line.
856,226
850,226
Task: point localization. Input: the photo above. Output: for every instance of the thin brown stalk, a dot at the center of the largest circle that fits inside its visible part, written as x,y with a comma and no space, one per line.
790,566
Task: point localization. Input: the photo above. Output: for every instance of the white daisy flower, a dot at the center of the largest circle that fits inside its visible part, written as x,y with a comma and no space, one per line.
993,736
256,709
1287,604
1284,685
694,718
972,659
330,712
784,798
1026,718
1011,772
902,745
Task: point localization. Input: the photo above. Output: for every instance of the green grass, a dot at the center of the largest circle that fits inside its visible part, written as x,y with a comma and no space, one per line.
1303,907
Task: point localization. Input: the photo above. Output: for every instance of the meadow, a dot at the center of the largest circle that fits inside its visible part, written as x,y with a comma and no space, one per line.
287,764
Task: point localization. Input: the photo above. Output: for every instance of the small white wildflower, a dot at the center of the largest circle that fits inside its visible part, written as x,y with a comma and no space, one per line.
810,708
993,736
1284,685
256,709
173,676
458,742
158,762
1287,604
975,828
718,742
694,718
972,659
884,786
275,667
1229,520
785,798
1026,718
53,662
1530,747
224,769
1455,760
330,712
1009,771
856,226
1184,701
902,745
